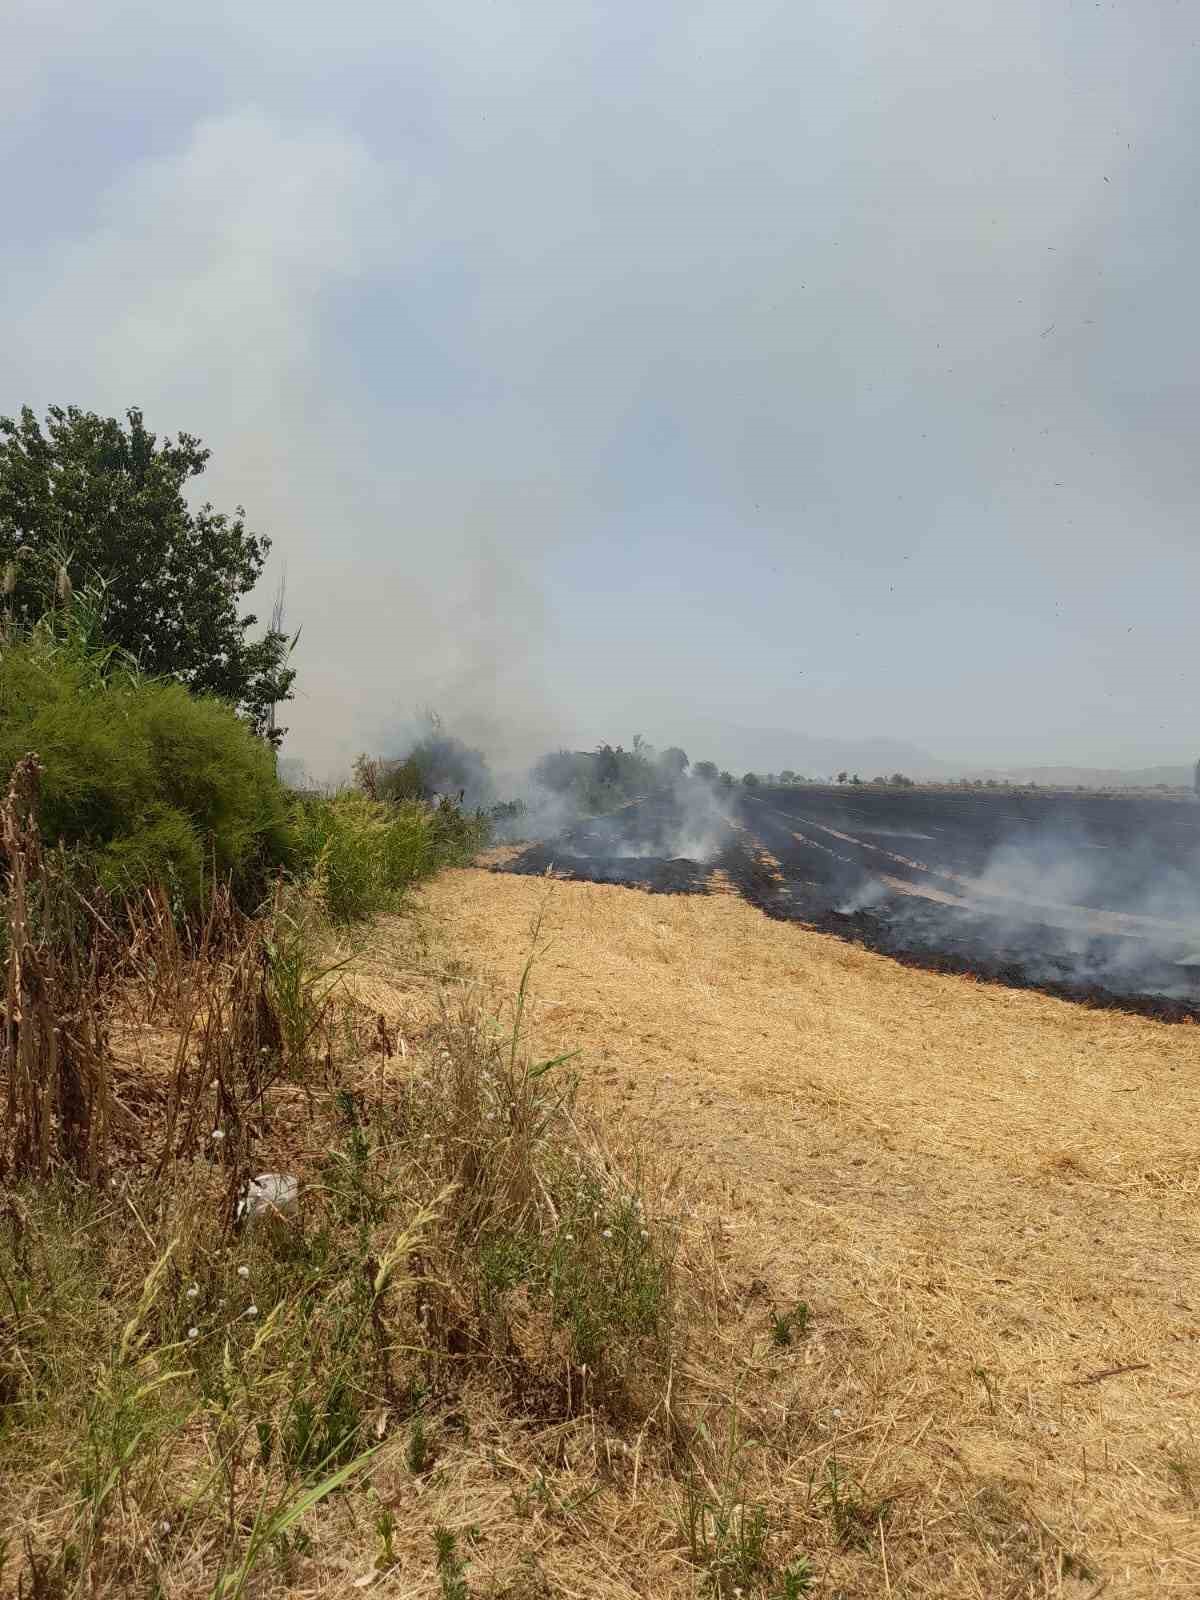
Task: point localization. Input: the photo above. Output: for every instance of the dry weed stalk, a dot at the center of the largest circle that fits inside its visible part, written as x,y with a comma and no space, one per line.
53,1049
74,966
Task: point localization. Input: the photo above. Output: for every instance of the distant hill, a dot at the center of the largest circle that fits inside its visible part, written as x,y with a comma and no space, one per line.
1091,777
776,749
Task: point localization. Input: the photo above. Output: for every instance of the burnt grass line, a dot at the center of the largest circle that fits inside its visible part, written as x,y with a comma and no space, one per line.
806,881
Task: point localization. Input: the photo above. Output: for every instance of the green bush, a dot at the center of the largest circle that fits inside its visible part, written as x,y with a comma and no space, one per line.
145,782
362,854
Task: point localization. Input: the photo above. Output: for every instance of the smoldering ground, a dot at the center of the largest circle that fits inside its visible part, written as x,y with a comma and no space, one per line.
1094,896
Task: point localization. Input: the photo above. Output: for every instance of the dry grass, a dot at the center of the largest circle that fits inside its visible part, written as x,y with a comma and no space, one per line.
988,1199
471,1312
981,1198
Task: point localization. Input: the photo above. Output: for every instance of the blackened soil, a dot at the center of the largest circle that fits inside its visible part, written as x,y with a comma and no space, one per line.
881,869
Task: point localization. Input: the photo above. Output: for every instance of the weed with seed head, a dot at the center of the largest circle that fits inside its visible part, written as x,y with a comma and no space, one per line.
609,1278
726,1541
727,1535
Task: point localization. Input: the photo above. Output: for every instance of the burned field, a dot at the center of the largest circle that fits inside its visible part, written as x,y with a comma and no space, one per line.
1094,897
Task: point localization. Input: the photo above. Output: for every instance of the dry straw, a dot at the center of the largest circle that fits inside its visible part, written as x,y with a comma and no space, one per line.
987,1198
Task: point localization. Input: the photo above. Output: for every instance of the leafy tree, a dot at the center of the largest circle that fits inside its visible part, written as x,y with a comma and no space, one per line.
727,780
751,780
563,770
706,770
437,764
608,763
87,497
674,761
843,777
787,776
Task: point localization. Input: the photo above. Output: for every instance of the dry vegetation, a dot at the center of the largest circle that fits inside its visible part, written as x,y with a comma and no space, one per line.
807,1274
987,1198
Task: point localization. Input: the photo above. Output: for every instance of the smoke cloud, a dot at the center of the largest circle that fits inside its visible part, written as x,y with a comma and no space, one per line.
680,368
1082,893
1064,904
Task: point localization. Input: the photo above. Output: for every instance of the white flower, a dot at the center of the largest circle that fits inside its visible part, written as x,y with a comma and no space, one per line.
193,1333
243,1272
218,1134
251,1311
644,1235
164,1527
608,1233
194,1292
569,1237
836,1412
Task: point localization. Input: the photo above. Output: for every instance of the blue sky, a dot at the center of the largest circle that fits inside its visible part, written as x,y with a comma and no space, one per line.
602,368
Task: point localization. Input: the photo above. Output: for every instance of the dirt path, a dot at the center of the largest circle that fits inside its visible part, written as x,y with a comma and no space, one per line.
987,1197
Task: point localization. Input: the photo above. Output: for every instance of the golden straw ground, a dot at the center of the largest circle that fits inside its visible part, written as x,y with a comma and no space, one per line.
989,1199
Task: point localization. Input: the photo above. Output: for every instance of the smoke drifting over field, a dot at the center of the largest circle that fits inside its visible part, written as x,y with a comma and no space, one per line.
1094,896
422,755
1116,915
459,362
1086,893
688,824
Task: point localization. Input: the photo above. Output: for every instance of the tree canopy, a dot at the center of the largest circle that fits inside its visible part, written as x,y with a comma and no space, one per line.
599,779
88,498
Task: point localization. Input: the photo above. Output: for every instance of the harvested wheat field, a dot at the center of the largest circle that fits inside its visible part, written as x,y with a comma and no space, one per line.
988,1200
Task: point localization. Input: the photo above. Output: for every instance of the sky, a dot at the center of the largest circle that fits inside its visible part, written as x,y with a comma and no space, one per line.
598,368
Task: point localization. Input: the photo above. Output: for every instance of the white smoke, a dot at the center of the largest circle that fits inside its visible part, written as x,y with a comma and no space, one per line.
691,822
1070,906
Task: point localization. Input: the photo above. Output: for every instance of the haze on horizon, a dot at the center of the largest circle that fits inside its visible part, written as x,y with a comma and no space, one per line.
609,368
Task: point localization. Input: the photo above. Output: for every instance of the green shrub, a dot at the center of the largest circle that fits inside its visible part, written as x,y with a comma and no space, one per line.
147,783
165,851
363,854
